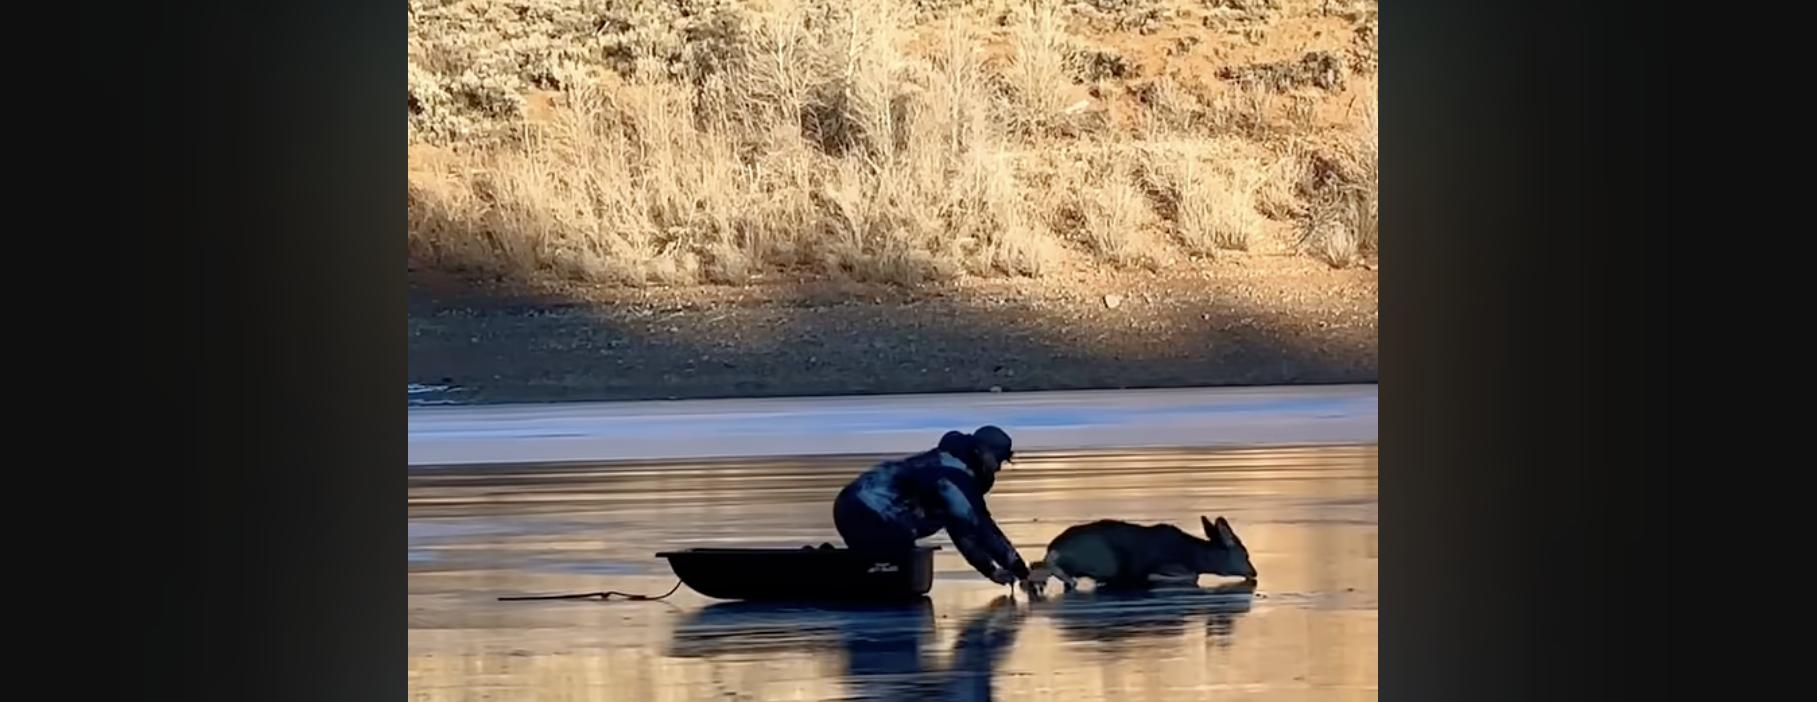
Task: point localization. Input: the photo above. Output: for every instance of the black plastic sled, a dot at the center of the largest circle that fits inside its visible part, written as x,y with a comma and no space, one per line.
806,574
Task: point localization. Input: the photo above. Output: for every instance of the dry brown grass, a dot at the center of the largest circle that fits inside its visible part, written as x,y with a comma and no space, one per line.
1344,194
1207,191
1035,78
673,142
1112,218
1217,208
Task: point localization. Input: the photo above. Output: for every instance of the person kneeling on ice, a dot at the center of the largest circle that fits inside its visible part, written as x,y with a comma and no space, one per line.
896,502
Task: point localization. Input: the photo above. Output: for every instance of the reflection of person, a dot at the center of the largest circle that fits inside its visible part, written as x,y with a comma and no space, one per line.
896,502
888,663
981,645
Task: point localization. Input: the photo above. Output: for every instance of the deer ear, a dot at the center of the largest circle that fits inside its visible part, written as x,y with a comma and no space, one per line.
1226,535
1211,532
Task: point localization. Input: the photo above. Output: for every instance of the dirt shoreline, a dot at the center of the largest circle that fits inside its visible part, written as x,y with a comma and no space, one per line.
1239,320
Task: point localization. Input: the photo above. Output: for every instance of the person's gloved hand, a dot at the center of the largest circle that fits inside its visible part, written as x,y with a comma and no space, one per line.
1016,572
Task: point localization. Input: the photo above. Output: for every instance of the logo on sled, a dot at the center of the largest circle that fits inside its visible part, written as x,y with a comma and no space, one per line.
883,568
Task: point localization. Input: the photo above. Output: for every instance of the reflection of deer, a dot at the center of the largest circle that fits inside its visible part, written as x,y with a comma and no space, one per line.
883,645
1116,617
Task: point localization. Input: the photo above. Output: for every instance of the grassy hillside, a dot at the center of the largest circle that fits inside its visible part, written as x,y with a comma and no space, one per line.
674,142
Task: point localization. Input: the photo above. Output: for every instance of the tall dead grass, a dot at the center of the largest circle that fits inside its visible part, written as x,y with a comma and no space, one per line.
808,140
1209,191
1036,76
1342,227
821,147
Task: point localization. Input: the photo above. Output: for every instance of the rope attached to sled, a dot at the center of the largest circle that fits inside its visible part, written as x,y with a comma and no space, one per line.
603,596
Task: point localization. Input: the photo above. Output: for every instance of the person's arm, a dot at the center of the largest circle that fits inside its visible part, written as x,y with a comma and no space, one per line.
979,558
978,537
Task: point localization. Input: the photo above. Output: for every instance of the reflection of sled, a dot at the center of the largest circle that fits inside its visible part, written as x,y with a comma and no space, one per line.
885,647
1109,615
742,628
804,574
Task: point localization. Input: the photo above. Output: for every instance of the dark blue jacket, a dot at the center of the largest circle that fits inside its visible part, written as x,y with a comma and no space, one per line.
930,491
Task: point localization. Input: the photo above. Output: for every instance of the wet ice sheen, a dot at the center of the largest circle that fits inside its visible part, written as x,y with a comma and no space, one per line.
1307,632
